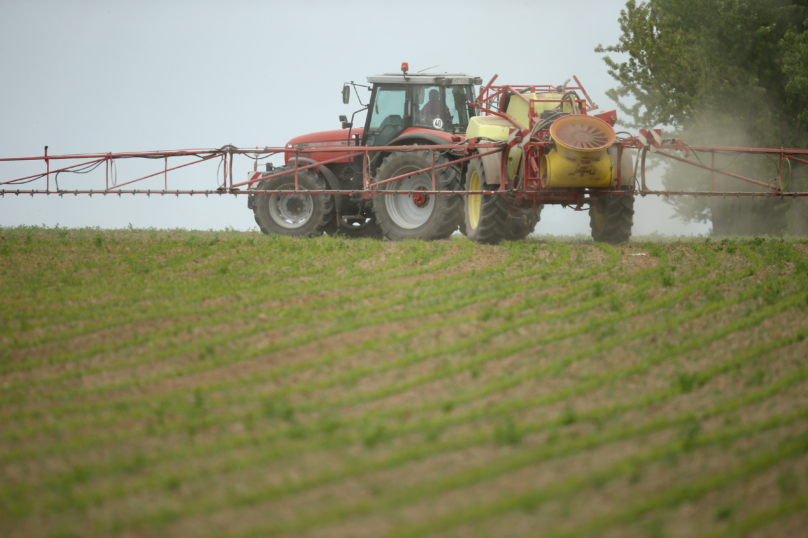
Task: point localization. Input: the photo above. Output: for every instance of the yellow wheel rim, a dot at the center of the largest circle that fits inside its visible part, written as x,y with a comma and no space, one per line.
474,200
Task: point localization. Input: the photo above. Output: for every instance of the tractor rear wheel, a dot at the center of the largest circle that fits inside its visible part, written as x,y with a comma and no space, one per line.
300,214
611,218
414,215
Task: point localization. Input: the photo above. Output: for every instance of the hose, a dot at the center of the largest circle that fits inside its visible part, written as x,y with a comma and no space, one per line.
87,169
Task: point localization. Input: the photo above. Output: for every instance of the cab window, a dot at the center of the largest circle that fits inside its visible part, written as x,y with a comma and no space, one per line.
459,111
389,104
428,110
387,115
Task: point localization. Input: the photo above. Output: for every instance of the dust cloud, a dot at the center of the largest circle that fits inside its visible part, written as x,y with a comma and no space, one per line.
728,213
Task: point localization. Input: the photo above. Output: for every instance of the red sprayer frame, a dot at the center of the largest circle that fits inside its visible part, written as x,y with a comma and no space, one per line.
530,189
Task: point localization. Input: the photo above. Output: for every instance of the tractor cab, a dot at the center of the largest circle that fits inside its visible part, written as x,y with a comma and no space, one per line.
430,106
405,109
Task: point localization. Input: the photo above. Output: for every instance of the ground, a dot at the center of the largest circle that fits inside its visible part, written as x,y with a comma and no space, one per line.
173,383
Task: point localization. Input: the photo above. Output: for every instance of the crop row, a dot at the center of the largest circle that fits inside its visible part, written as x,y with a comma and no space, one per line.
752,322
261,405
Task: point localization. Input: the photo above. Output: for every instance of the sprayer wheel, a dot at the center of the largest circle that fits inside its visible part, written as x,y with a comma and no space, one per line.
415,215
611,218
522,222
486,214
303,215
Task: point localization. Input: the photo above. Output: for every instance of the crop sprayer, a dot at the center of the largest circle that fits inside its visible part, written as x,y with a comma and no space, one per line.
434,156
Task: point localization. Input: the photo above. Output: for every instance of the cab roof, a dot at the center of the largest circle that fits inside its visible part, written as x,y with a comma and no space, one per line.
456,79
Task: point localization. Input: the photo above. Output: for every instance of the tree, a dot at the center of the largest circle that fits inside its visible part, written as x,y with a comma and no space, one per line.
795,66
720,72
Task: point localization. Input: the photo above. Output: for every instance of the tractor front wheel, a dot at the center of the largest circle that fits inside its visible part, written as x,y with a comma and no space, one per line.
611,218
299,214
417,214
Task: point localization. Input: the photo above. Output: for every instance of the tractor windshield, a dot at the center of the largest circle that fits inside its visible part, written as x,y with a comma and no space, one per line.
396,107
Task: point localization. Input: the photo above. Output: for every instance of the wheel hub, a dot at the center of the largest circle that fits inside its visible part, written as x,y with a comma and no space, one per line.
410,211
294,205
420,198
290,211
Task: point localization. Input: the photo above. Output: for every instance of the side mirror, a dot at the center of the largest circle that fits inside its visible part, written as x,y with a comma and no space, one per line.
345,123
346,94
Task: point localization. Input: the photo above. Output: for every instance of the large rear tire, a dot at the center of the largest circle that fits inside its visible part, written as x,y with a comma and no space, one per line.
417,216
611,218
303,215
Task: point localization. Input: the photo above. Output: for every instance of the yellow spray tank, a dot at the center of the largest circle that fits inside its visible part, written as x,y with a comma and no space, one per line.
579,158
518,108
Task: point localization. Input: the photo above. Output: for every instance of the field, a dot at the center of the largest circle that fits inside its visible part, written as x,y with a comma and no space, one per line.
174,383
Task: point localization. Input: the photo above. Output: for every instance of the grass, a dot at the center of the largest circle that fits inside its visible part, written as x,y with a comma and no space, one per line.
174,383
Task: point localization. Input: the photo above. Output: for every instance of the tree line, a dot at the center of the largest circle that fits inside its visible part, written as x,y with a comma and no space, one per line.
719,72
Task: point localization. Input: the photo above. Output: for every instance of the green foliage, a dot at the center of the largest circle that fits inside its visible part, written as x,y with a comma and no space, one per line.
724,512
756,378
725,73
690,432
279,408
688,382
795,65
687,57
772,293
329,423
506,432
788,483
373,434
569,416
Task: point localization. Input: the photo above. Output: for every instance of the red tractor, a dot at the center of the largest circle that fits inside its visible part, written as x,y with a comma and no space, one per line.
404,109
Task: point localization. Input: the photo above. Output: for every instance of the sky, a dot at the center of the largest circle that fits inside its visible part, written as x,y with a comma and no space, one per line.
114,76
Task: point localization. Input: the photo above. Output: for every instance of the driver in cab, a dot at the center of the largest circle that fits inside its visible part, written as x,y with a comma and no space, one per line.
431,109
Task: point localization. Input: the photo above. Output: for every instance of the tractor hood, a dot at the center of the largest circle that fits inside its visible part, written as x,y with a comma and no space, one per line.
309,144
337,137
